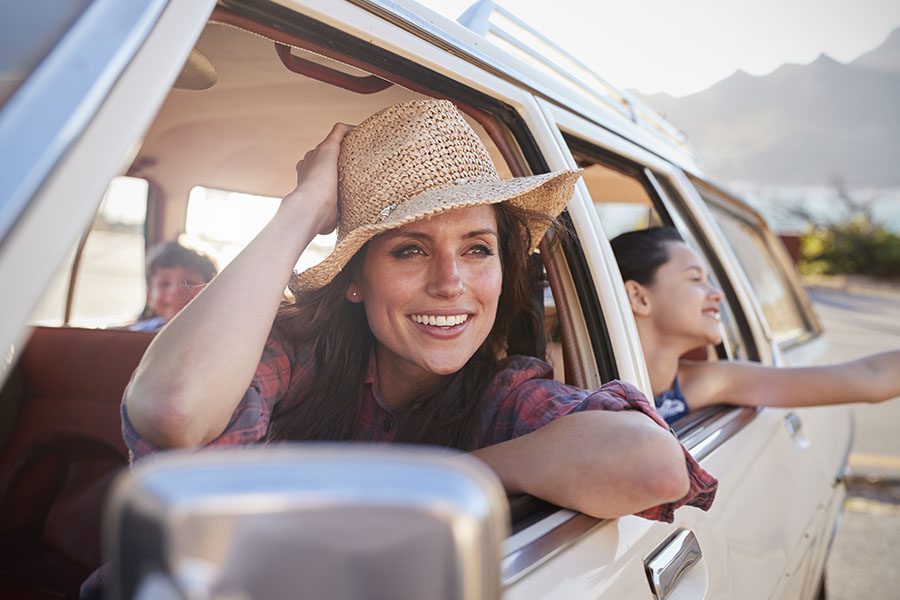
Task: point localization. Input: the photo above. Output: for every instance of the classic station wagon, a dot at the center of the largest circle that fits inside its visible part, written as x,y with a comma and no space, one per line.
124,124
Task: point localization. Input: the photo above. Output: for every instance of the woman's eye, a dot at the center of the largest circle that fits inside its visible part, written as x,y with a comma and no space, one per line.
481,249
407,252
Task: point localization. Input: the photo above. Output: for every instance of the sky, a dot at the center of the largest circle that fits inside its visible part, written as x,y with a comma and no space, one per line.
684,47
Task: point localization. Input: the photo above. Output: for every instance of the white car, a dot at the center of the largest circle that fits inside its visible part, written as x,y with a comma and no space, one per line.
187,117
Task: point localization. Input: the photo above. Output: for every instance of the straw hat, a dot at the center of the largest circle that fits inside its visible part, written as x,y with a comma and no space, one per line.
416,160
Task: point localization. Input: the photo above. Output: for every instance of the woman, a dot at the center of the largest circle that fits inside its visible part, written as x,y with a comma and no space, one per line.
676,309
396,336
175,274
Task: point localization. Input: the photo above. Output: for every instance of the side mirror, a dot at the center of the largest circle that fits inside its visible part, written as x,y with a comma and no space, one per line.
308,521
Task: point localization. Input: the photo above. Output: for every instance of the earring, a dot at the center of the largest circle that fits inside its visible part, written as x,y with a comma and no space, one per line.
354,294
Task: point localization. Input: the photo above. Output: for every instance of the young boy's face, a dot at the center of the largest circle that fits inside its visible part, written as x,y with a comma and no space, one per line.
171,288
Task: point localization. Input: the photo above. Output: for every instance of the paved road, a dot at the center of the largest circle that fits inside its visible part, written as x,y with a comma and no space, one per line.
865,559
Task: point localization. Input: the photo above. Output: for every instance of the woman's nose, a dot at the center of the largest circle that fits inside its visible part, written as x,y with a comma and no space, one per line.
715,293
445,280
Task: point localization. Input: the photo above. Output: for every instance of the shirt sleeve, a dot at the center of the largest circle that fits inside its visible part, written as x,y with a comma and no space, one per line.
250,421
521,400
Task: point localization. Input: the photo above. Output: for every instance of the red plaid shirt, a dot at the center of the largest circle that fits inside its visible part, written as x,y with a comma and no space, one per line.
521,398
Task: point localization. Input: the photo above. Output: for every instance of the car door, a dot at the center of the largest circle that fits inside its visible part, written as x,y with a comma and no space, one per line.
774,490
87,77
797,339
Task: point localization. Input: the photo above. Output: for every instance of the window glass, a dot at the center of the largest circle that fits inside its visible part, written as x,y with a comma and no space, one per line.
767,279
30,31
109,285
224,222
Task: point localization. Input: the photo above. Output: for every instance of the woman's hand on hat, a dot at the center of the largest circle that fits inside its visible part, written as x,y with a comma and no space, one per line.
317,180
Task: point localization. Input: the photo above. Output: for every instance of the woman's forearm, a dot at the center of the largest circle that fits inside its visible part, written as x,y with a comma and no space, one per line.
605,464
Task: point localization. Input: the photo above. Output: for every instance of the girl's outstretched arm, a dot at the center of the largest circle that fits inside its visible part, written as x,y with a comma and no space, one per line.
874,378
198,367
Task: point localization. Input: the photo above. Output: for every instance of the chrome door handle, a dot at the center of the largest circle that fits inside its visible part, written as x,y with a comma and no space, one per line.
794,427
670,561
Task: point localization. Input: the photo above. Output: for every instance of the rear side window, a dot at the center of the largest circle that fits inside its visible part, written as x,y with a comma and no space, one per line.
769,282
765,264
225,222
103,283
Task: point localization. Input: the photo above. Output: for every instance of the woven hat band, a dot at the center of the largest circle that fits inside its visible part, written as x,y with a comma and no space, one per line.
402,151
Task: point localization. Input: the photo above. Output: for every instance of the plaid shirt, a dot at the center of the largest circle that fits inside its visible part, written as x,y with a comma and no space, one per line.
521,398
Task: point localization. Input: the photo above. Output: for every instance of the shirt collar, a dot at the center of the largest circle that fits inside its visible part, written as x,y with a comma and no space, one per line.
371,381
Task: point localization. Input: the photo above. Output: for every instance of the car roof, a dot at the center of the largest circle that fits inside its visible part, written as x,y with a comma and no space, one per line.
494,38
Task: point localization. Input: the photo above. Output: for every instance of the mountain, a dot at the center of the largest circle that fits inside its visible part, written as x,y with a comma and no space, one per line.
801,124
886,57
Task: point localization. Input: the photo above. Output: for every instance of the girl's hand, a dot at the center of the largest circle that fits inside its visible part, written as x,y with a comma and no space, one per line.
316,189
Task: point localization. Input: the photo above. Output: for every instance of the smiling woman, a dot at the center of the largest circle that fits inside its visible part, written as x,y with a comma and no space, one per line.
399,334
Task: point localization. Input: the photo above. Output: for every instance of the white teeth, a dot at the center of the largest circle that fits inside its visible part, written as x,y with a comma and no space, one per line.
440,320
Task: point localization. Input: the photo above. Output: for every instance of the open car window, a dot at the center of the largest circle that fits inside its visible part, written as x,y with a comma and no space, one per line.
629,196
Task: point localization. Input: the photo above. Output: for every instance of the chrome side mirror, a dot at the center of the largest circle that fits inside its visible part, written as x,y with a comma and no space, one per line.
308,521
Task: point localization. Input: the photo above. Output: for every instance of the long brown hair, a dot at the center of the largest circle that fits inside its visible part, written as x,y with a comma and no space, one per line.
449,415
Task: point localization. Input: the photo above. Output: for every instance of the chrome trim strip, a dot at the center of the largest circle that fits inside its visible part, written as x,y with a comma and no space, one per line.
522,561
706,437
65,90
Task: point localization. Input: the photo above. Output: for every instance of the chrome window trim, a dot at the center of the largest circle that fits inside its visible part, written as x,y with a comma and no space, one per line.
66,89
519,562
701,439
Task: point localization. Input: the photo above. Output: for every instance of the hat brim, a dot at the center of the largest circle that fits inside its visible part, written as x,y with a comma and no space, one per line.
548,193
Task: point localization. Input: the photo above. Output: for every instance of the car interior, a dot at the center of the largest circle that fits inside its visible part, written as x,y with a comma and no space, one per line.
250,101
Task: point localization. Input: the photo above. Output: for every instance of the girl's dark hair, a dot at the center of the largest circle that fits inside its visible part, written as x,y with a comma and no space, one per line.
641,253
450,414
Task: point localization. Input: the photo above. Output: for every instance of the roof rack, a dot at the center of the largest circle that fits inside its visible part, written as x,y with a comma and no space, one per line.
511,34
